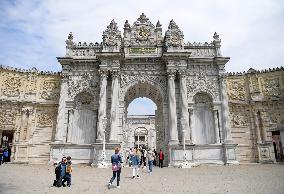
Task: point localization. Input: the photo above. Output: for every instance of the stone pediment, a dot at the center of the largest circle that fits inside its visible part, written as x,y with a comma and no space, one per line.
142,33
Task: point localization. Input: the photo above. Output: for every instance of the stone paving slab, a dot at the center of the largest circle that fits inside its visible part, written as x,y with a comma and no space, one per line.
240,179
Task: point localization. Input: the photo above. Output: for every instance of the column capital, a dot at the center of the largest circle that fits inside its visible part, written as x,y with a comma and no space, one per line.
171,73
115,73
182,73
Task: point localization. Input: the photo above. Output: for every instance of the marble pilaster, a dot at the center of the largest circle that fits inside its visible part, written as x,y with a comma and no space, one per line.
114,108
172,122
60,127
102,106
184,106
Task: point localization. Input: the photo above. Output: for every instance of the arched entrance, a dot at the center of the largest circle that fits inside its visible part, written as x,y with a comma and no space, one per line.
148,90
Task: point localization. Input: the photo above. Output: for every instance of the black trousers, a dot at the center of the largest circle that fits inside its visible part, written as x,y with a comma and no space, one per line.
115,174
161,163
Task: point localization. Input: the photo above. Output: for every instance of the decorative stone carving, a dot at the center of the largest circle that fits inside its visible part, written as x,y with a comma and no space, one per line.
239,119
236,89
44,120
202,83
202,98
142,32
127,80
254,85
174,36
271,87
7,118
80,83
111,37
50,90
12,87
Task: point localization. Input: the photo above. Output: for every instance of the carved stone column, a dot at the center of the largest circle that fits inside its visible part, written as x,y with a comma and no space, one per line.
225,111
257,128
216,122
172,123
102,106
190,125
184,106
60,129
114,108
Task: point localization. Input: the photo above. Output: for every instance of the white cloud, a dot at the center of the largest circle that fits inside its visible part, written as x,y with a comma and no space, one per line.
33,33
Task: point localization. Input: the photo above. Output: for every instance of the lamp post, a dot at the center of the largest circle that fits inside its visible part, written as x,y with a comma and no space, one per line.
185,163
103,163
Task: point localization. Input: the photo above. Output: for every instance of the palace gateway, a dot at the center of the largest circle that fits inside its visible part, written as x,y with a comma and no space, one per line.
203,115
186,82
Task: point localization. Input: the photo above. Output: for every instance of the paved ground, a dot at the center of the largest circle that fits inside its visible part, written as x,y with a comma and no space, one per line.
242,179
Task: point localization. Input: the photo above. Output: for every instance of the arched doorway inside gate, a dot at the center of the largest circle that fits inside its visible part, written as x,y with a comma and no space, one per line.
148,128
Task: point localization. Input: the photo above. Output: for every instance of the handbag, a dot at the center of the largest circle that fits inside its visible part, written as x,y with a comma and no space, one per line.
116,167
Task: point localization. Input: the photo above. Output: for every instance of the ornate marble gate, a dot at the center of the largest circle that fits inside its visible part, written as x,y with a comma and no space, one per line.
185,80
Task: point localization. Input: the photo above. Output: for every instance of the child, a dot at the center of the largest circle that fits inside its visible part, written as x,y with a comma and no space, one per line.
69,170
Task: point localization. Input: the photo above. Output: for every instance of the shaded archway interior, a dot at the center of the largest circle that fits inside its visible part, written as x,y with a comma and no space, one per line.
143,89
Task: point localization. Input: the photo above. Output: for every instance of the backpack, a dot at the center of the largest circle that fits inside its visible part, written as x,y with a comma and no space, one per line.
6,154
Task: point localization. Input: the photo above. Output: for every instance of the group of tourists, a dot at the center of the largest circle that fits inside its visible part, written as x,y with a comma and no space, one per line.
63,172
4,155
137,158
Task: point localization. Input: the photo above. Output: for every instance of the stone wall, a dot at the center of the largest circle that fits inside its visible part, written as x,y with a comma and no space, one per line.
29,105
28,111
256,101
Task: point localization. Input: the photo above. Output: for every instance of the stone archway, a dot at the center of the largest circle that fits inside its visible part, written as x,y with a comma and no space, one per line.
149,90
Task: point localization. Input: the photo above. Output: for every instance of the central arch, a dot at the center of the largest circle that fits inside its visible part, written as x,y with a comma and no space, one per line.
153,92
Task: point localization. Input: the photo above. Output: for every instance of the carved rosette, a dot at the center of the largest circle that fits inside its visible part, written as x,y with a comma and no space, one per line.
202,83
82,83
142,32
174,36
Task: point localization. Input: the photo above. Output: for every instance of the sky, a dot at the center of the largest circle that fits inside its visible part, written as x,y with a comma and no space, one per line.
33,32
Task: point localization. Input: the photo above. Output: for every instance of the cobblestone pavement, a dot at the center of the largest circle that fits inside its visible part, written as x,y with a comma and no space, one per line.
252,178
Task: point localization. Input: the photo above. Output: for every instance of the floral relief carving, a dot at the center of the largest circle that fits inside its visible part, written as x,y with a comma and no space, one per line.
127,80
202,83
271,87
236,89
85,82
12,87
44,119
7,117
50,90
239,119
254,85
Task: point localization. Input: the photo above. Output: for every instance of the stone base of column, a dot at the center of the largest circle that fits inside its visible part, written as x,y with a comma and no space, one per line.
99,140
173,142
230,156
265,152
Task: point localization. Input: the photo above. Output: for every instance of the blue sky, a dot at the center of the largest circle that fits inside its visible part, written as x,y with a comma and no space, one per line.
33,32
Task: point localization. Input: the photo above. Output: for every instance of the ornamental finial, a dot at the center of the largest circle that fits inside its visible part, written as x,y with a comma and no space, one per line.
216,36
158,25
70,36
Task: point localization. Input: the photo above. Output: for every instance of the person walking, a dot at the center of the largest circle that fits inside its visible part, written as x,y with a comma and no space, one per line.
155,158
116,161
135,158
150,157
161,158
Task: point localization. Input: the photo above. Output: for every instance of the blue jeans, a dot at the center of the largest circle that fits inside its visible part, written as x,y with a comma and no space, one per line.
150,164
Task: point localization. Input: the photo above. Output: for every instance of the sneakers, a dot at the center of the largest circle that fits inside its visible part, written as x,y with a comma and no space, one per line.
108,186
138,176
118,187
133,177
